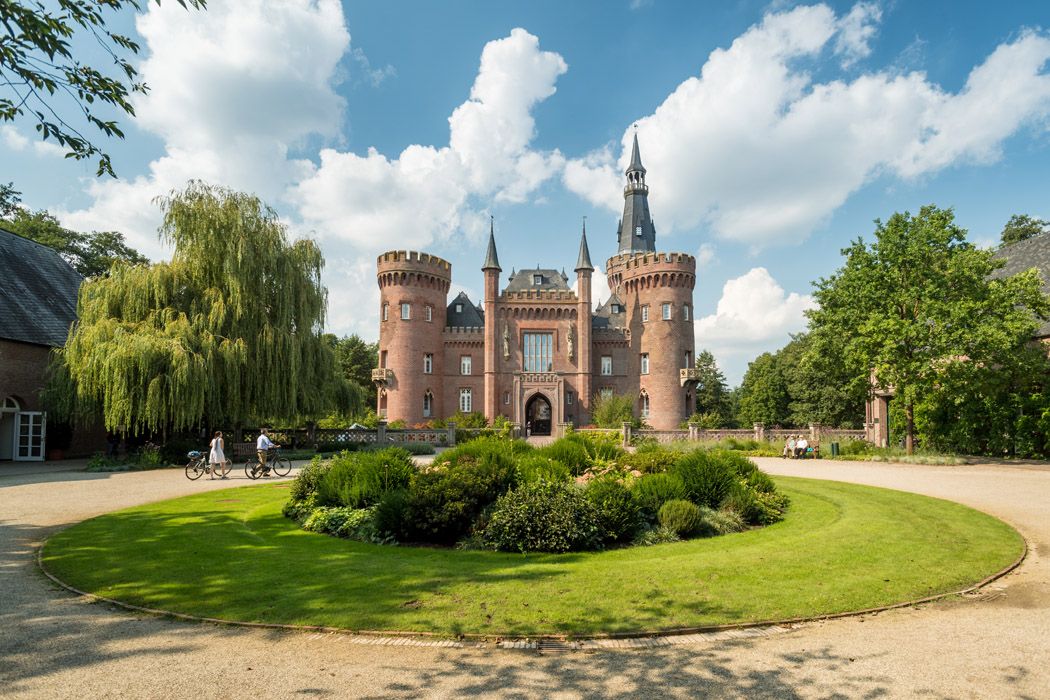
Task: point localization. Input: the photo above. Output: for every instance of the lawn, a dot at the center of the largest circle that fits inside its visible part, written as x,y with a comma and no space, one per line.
231,554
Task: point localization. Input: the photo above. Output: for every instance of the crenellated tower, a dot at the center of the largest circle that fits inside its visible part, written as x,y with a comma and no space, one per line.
657,291
413,290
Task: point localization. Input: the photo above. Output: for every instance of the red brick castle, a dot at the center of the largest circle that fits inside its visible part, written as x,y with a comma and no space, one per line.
536,353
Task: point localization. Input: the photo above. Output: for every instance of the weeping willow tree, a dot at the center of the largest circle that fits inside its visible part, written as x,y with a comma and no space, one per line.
227,332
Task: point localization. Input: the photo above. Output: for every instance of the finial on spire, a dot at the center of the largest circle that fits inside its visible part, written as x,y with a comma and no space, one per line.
491,259
636,158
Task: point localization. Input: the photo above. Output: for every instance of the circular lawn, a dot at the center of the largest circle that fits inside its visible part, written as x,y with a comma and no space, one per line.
231,555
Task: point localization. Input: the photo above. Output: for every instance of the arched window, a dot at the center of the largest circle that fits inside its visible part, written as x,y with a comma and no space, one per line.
10,405
428,404
643,404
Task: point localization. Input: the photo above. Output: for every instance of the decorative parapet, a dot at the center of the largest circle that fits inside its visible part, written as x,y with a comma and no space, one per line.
539,377
561,295
690,375
633,260
382,375
393,257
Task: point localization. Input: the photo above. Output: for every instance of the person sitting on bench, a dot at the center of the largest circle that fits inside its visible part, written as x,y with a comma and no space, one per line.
800,448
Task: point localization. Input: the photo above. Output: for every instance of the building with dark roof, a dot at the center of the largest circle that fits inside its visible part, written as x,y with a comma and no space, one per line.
536,353
38,301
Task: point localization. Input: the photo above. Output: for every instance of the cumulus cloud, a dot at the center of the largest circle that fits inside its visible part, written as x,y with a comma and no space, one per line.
424,193
17,141
760,153
754,314
232,90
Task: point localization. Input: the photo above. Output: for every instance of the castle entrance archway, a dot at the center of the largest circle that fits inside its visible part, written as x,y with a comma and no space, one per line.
538,415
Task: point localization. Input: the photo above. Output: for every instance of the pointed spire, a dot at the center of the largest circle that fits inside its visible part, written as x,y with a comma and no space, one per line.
636,158
584,261
491,259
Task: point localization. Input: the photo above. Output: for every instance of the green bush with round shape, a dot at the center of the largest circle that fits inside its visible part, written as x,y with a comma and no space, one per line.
684,518
543,517
534,467
443,503
359,479
390,517
618,513
707,479
570,453
305,482
755,507
724,521
653,490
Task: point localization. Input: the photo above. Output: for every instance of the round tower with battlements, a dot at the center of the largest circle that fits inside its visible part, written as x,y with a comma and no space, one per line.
657,291
413,290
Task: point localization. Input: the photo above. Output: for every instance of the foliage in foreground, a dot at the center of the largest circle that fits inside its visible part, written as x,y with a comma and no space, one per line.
502,494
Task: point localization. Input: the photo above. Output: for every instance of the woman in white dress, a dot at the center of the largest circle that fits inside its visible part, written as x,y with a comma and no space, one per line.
217,458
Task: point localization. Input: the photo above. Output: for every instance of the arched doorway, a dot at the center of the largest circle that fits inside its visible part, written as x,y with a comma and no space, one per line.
538,415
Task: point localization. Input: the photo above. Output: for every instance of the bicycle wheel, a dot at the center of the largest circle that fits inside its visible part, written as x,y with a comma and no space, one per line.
222,469
251,469
193,470
281,466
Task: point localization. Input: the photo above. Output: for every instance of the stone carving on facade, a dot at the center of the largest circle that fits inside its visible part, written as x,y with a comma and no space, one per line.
506,341
572,342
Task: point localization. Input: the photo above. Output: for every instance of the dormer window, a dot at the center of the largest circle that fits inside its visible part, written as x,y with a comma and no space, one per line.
537,280
617,309
459,308
638,231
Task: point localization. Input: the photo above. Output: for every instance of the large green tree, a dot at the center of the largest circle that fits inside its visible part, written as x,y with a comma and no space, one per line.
226,333
763,393
355,357
712,393
821,388
1021,227
90,254
45,76
918,311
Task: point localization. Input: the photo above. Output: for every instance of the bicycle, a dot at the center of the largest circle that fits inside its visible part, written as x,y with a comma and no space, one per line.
280,466
198,466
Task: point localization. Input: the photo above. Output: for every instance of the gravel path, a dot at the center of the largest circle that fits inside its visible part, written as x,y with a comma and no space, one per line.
54,645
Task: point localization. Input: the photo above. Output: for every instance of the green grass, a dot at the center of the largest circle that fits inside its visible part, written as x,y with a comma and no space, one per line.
230,554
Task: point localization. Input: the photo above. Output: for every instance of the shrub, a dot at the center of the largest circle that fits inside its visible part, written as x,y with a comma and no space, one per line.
656,535
543,517
707,480
359,479
444,503
650,461
756,507
300,510
653,490
417,448
390,517
470,452
725,521
342,522
603,447
681,517
305,482
570,453
534,467
613,410
617,512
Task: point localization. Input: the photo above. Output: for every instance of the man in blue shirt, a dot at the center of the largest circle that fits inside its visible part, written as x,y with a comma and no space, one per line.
262,447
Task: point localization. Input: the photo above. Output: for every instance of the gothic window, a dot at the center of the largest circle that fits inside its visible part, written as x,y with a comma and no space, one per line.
606,365
645,313
645,363
606,393
506,398
430,313
386,312
464,364
643,404
406,311
428,363
466,404
666,311
428,404
538,352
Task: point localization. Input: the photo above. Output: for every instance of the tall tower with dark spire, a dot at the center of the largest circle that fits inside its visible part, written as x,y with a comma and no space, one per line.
637,233
491,269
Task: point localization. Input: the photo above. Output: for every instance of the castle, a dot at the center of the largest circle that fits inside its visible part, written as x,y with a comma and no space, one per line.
536,353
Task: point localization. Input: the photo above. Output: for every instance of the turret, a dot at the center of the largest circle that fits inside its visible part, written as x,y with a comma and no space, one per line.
636,234
413,290
584,269
491,269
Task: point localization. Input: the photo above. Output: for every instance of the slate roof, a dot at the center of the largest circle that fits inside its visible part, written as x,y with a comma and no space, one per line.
605,318
552,279
470,317
38,292
1024,255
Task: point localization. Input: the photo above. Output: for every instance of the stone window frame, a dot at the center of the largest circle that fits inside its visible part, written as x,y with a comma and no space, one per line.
645,313
429,313
685,312
428,404
568,398
406,311
643,404
428,363
643,365
466,365
467,405
386,311
666,311
506,398
603,366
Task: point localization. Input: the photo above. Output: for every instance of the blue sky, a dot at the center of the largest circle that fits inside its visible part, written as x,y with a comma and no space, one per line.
774,133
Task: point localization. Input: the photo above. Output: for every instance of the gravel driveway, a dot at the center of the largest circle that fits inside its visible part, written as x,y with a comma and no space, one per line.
55,645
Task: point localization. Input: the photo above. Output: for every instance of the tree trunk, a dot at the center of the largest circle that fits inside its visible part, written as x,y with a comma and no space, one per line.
909,440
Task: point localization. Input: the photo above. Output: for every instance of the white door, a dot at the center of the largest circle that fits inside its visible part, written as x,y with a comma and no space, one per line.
29,436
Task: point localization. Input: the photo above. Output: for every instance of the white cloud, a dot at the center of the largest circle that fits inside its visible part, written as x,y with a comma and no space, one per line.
16,141
424,194
754,314
758,152
705,255
232,90
375,76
